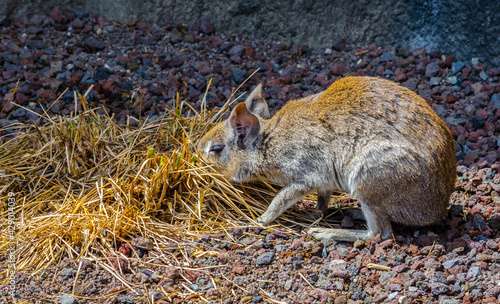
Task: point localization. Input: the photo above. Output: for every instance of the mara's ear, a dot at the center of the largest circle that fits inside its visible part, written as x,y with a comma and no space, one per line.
256,104
245,125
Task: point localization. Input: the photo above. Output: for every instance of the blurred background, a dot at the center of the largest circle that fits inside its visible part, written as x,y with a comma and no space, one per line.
465,28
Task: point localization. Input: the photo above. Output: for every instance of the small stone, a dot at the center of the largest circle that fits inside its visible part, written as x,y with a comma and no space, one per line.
171,272
339,69
156,295
386,56
393,287
239,75
249,52
206,27
257,299
285,45
475,272
491,244
483,75
36,44
337,264
347,222
435,81
341,273
175,39
317,249
68,272
56,15
359,244
20,112
126,300
340,300
469,159
452,263
280,234
477,121
400,76
457,67
494,292
109,28
67,299
385,276
338,45
438,288
262,67
452,80
78,23
449,301
92,45
400,268
235,50
392,296
495,100
425,240
431,70
265,258
143,243
411,83
388,73
403,52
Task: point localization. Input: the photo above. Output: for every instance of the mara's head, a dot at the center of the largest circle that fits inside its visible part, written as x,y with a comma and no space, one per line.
229,144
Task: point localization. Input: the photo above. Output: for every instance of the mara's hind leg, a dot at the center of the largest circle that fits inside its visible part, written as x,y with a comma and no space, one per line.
376,222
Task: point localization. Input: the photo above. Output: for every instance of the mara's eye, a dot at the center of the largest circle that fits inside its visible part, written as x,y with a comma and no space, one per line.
217,148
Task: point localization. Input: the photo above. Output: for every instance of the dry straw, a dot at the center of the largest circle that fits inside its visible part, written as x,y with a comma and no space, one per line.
84,185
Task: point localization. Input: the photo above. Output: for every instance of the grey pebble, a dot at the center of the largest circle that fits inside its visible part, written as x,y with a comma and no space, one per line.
457,67
393,287
386,276
411,83
126,300
239,75
452,263
435,81
392,296
431,69
495,98
491,244
335,264
67,299
156,295
265,258
387,57
484,76
235,50
439,288
452,80
68,272
19,112
475,272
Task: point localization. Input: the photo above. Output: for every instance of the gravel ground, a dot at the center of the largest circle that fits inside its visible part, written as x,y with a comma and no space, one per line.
457,261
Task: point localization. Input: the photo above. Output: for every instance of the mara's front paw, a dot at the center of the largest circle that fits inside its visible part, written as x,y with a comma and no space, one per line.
262,220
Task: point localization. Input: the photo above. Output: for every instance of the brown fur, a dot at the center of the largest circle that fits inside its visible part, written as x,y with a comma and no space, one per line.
370,137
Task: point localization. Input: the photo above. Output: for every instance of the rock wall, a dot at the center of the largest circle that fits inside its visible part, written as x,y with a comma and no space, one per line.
466,28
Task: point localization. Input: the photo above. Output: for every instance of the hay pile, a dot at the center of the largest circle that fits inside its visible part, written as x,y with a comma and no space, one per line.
84,185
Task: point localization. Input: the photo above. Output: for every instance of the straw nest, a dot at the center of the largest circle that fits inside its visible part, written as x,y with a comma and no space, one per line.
85,185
